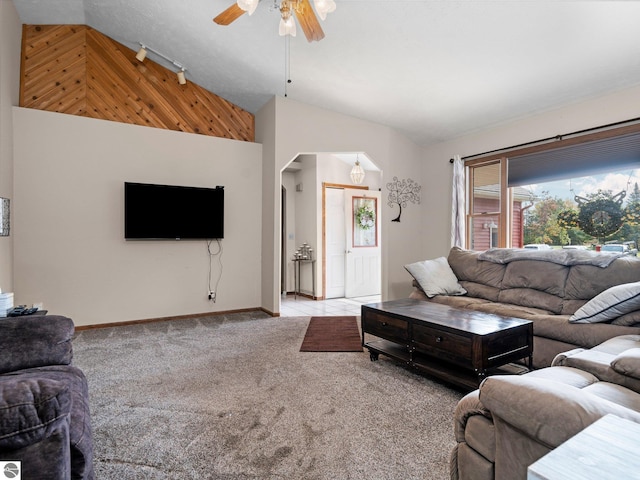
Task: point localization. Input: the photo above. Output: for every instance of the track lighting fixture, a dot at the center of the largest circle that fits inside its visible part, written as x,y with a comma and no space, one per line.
142,54
181,79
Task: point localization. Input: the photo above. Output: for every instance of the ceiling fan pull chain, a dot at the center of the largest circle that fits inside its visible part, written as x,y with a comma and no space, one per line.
287,64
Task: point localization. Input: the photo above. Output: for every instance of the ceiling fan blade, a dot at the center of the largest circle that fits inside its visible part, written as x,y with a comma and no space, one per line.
309,22
229,15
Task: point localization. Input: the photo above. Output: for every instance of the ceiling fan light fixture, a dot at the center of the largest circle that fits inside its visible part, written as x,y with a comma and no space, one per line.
357,173
142,53
324,6
287,26
248,6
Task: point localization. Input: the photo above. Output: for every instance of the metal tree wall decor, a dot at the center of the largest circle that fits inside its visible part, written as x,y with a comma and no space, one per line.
401,192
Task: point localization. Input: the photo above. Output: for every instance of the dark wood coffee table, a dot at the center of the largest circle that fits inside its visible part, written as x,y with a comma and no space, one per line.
456,345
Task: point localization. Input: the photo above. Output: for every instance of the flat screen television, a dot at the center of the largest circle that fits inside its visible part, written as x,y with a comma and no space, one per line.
172,212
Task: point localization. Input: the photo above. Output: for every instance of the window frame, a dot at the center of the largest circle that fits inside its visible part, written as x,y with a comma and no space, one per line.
506,193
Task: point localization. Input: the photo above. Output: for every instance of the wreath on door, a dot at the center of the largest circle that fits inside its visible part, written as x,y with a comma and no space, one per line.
365,217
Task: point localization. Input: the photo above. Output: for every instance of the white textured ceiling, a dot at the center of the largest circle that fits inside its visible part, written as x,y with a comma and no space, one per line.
432,69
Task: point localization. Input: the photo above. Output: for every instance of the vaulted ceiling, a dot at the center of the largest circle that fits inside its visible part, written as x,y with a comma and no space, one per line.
432,69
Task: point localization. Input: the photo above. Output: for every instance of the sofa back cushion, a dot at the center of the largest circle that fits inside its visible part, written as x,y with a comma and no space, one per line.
467,267
586,281
539,275
529,297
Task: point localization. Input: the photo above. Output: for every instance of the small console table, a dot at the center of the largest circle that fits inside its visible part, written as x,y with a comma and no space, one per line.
297,262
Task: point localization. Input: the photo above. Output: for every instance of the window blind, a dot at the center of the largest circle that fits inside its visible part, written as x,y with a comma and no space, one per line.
590,158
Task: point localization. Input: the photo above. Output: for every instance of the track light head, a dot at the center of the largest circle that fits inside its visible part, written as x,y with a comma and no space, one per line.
181,78
142,53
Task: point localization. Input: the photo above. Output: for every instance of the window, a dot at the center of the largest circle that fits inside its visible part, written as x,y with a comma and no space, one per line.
501,201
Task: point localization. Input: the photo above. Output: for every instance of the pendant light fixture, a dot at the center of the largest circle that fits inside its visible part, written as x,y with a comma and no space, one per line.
357,172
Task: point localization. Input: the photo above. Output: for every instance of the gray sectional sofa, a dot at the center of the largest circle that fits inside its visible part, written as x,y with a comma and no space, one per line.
44,401
512,421
546,287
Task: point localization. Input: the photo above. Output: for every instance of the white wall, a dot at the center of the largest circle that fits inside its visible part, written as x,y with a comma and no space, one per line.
306,216
70,251
289,182
10,41
287,128
437,171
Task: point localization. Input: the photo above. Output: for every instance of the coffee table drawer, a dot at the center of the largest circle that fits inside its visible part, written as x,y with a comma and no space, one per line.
383,326
447,345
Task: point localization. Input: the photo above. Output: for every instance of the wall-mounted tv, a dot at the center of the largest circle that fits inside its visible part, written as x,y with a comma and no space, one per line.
172,212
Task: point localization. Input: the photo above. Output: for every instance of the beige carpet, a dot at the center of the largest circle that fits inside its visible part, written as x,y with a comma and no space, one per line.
231,397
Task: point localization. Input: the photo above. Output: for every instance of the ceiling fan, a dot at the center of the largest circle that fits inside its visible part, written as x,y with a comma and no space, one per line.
288,8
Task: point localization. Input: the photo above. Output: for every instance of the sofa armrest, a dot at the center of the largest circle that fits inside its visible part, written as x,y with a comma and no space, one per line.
35,341
31,410
468,406
548,411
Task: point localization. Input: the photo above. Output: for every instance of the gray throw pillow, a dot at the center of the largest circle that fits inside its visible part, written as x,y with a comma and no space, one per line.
435,277
612,303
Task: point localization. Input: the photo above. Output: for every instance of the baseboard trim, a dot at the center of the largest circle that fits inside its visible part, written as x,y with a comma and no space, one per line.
175,317
305,295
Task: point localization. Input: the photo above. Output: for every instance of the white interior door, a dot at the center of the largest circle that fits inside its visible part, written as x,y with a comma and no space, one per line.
362,228
335,242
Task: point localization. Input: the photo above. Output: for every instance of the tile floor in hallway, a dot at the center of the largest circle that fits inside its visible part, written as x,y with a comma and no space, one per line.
292,306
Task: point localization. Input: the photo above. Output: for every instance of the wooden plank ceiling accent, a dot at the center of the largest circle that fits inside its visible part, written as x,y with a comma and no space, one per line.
74,69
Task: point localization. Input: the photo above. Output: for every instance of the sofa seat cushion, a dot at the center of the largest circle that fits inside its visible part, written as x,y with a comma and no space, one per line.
599,364
586,335
617,394
32,409
509,310
618,344
479,290
80,435
459,302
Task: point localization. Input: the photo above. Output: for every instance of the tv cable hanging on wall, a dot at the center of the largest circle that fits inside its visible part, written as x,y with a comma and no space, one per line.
213,292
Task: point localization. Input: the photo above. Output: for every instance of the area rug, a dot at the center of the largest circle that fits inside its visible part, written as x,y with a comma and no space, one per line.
332,334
